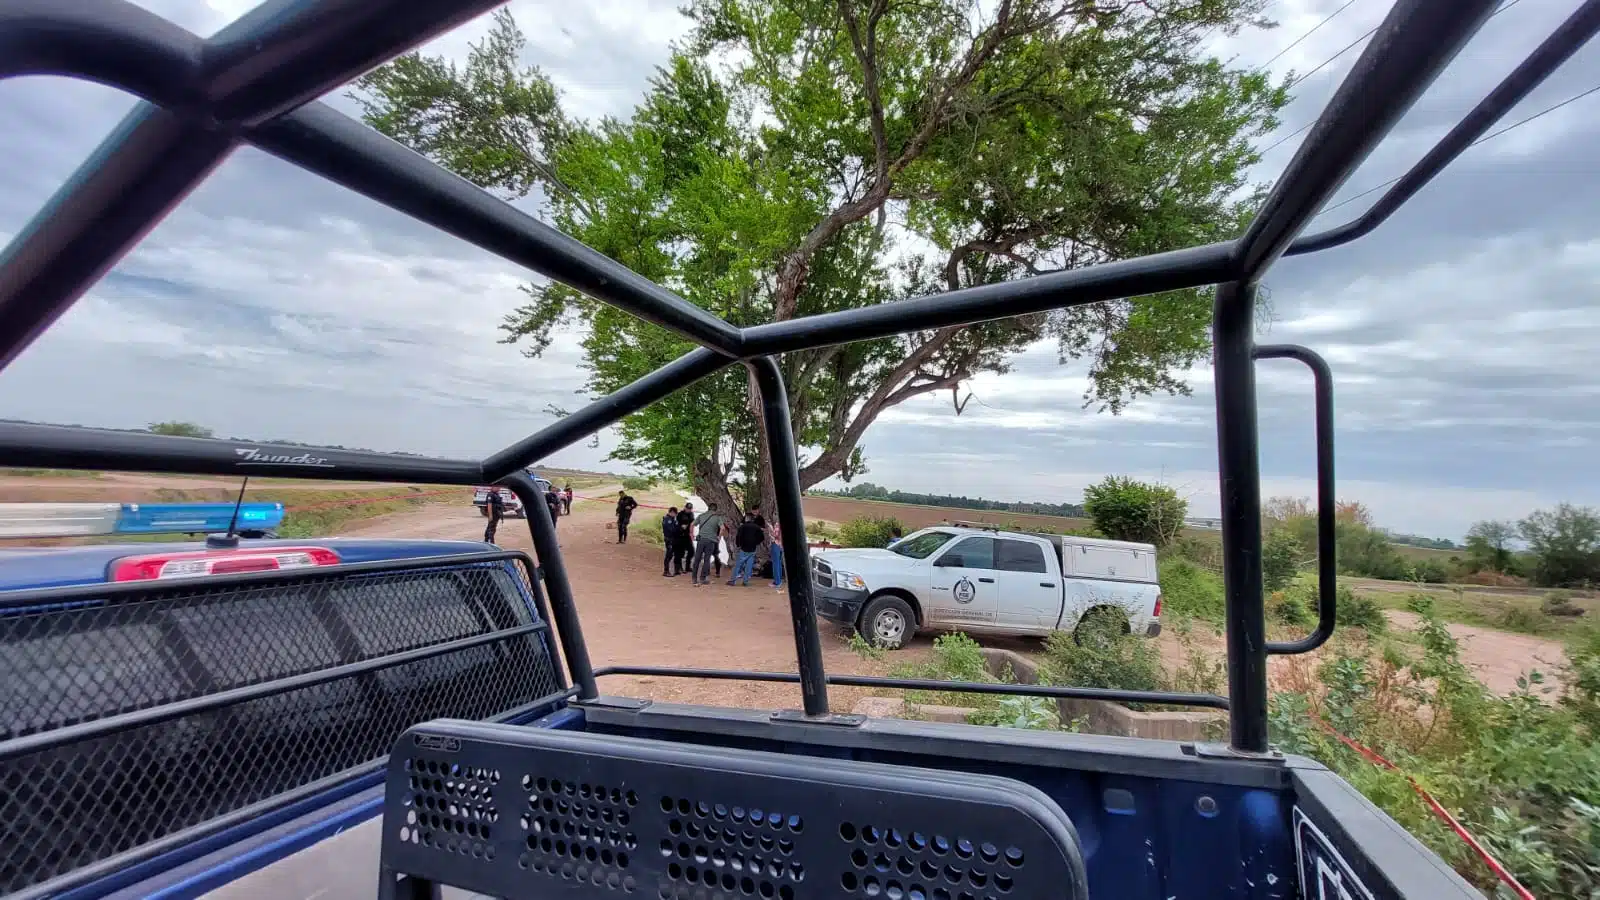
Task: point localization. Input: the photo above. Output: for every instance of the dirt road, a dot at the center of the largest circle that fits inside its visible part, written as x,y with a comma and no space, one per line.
631,614
1498,658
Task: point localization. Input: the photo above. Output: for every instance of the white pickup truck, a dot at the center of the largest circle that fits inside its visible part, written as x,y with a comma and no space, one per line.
985,580
514,510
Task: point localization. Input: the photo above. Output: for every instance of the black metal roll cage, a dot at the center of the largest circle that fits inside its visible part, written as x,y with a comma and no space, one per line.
256,82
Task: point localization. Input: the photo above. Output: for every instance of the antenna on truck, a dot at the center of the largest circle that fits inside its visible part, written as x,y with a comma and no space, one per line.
230,540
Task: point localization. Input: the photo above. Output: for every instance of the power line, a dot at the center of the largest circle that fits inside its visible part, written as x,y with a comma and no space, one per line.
1483,140
1296,42
1322,65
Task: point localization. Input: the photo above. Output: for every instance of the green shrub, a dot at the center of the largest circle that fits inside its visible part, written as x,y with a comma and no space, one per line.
868,531
1113,660
1127,510
1281,555
1188,591
1521,773
1559,603
1523,619
1037,713
1430,571
1204,552
1352,610
1291,609
638,482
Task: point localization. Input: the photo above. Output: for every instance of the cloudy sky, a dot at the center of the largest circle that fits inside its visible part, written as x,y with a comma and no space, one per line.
1461,334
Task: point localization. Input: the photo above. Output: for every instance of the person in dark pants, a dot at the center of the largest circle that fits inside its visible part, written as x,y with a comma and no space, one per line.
497,511
552,502
748,540
669,540
625,507
566,500
708,528
685,538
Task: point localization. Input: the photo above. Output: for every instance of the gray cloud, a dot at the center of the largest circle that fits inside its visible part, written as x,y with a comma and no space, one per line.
275,305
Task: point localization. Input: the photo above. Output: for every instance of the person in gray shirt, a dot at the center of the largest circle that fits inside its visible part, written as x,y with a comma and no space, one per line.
707,529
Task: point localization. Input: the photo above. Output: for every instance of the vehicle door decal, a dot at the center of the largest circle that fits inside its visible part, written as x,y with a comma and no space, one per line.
965,591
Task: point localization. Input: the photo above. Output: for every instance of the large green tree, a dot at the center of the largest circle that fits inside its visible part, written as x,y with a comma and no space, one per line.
795,157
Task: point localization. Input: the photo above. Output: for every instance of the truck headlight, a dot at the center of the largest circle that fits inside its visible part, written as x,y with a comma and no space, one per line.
849,580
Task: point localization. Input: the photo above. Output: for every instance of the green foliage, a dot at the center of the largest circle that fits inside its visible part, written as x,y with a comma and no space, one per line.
179,429
1523,619
1127,510
1109,660
1489,545
1281,557
1519,771
1190,592
1429,571
1565,543
1352,610
755,178
1559,603
1037,713
638,482
867,531
1290,608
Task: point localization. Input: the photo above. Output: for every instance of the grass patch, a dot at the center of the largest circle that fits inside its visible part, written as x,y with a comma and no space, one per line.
47,473
1504,612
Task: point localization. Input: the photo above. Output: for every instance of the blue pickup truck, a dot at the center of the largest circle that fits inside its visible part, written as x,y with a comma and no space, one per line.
217,643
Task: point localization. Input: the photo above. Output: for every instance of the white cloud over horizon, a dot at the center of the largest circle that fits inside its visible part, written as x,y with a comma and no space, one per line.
274,305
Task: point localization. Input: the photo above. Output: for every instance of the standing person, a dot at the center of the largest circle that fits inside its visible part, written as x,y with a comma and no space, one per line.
776,534
566,500
707,529
894,537
669,540
625,507
552,502
748,540
685,558
496,505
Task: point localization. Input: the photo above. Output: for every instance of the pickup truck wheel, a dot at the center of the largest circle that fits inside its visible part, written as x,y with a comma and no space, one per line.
1100,627
888,622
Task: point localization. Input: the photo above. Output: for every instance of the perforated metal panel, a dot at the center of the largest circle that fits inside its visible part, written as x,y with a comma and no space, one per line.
69,663
517,812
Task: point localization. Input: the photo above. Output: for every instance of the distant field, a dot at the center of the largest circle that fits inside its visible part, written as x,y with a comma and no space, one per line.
839,509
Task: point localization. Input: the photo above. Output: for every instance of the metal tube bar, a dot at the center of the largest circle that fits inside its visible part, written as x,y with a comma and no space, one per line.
1192,267
142,170
1240,476
110,42
60,447
681,372
1327,563
1415,42
323,140
791,518
285,53
1170,698
562,606
1574,33
155,715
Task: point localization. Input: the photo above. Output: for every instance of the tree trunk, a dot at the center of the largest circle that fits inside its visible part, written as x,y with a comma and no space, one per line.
712,487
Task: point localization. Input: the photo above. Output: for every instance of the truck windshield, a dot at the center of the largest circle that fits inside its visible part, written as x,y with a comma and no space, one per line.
918,546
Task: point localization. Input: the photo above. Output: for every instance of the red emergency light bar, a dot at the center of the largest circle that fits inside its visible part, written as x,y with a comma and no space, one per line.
199,563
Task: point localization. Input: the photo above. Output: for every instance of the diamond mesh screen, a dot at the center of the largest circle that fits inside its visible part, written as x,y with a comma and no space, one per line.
64,808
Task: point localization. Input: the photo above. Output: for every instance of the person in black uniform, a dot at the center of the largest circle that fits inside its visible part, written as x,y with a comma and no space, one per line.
552,502
625,507
497,511
669,540
685,537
